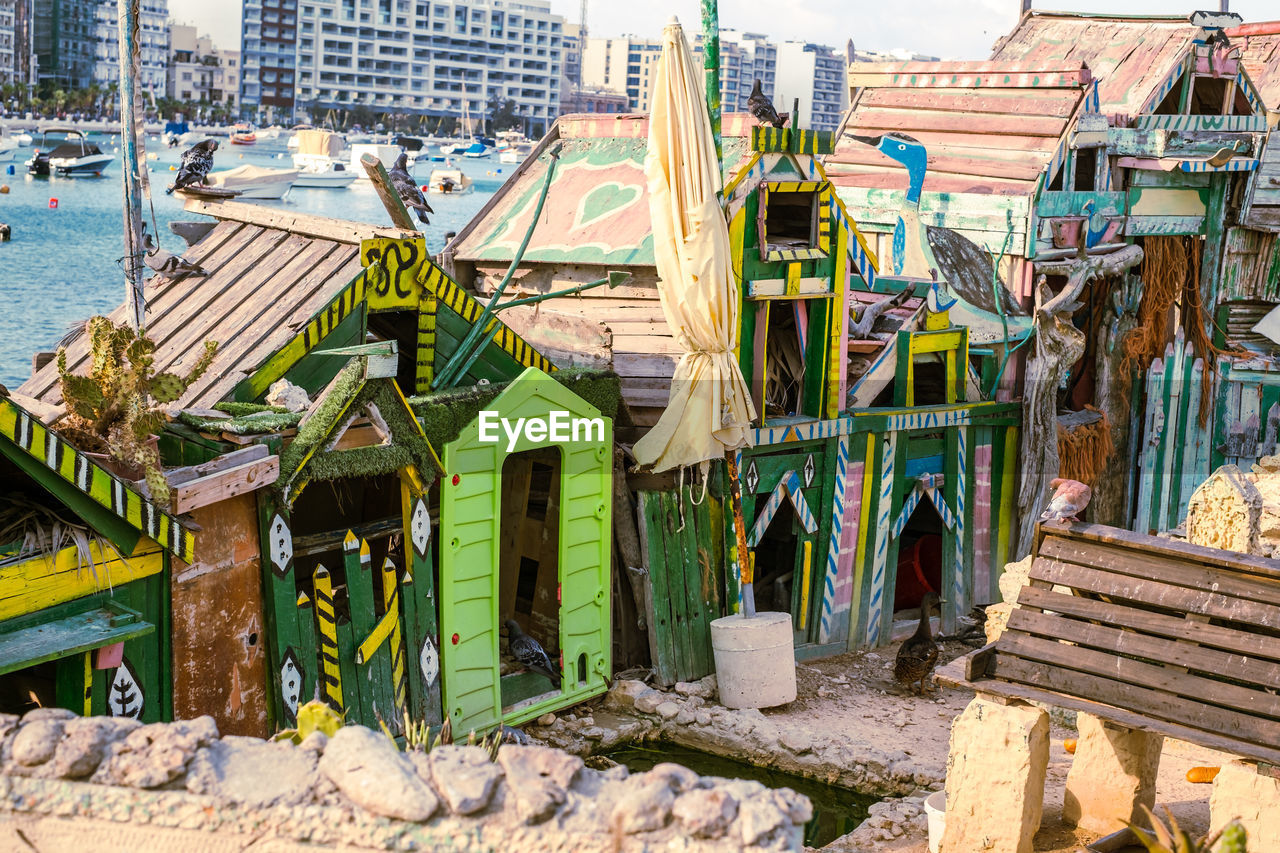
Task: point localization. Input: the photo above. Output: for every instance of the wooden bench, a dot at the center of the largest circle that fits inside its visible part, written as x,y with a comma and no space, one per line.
1151,634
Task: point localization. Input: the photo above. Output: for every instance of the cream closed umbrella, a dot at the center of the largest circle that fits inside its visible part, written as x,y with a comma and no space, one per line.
709,411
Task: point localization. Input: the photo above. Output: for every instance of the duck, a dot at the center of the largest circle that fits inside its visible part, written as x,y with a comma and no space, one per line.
919,653
964,269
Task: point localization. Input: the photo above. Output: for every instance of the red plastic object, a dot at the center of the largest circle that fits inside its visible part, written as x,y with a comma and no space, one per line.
53,204
455,639
457,479
108,657
919,570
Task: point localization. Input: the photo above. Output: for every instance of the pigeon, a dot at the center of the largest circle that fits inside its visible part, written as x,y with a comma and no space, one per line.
196,163
1070,499
168,264
409,192
761,107
527,650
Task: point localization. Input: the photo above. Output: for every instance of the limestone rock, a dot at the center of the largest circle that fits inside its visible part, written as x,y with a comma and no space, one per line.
538,776
464,776
644,806
995,778
667,710
36,741
36,714
758,818
1224,512
705,812
678,776
155,754
547,720
84,744
796,741
623,693
368,769
1241,793
1112,775
1014,578
648,701
252,772
694,688
315,742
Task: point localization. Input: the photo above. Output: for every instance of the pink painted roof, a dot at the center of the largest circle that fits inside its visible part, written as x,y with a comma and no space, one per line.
989,127
1260,54
1130,56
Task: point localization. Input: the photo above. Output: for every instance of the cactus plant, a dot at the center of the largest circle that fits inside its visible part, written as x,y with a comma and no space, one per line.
1173,839
111,409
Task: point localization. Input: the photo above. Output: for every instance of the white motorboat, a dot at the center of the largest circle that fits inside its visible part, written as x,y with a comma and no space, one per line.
317,160
254,181
510,156
449,181
386,153
74,154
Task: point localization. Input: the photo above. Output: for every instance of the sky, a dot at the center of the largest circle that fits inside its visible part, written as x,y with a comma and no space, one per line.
951,29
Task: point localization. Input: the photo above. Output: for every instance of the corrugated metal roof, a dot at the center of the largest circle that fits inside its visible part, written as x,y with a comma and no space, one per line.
597,209
264,284
1130,56
988,127
1260,54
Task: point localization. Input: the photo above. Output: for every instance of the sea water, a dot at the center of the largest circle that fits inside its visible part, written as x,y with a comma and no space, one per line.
63,262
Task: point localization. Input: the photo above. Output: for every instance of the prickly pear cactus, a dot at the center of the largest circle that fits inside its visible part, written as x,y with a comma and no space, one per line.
114,402
1234,839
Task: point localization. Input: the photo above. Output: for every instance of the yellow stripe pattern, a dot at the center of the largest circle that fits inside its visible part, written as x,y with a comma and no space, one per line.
823,247
391,600
47,447
327,620
427,305
470,309
791,140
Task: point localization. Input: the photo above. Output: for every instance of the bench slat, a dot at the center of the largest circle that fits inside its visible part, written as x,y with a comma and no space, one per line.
1173,549
1153,592
1156,567
1208,663
953,674
1149,622
1134,697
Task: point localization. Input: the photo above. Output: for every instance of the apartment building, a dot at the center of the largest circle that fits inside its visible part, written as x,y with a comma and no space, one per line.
816,76
199,71
8,67
435,58
153,35
624,64
65,36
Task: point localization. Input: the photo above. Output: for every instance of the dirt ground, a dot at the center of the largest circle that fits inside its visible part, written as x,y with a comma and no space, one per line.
855,694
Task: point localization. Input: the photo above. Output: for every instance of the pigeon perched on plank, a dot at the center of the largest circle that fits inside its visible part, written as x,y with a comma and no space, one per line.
529,652
1069,500
761,107
168,264
410,193
196,163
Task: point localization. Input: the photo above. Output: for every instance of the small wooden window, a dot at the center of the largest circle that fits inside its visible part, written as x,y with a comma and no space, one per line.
794,220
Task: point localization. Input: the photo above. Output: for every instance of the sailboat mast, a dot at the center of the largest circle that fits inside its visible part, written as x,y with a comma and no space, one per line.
130,147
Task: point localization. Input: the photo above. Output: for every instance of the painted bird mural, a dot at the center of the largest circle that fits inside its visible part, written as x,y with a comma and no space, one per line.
530,653
196,163
1095,226
965,270
919,653
759,105
410,193
167,264
1069,499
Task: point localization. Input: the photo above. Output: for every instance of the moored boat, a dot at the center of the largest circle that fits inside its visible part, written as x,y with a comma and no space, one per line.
317,160
243,134
386,153
74,154
254,181
449,181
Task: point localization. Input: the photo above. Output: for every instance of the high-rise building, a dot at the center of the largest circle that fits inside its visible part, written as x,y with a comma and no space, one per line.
17,31
269,56
199,71
153,37
8,68
815,75
65,35
744,58
439,58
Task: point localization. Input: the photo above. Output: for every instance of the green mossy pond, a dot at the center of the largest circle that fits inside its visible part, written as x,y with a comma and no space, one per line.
836,811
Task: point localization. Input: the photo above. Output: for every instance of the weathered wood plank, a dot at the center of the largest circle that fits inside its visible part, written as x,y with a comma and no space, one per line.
1180,551
296,223
1047,103
220,485
958,75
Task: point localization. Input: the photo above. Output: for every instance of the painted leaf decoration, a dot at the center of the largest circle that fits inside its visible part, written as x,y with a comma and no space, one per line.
124,698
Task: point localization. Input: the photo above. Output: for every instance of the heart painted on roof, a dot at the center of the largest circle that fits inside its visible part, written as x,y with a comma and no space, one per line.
604,201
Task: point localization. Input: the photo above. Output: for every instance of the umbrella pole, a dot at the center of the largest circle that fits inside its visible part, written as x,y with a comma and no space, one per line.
745,564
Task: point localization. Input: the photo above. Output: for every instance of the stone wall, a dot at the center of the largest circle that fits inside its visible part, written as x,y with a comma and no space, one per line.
358,789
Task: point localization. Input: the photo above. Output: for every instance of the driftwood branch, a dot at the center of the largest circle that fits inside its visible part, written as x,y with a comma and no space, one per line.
1058,346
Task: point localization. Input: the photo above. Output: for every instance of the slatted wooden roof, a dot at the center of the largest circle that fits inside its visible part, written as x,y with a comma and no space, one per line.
1259,46
989,127
1129,56
265,282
